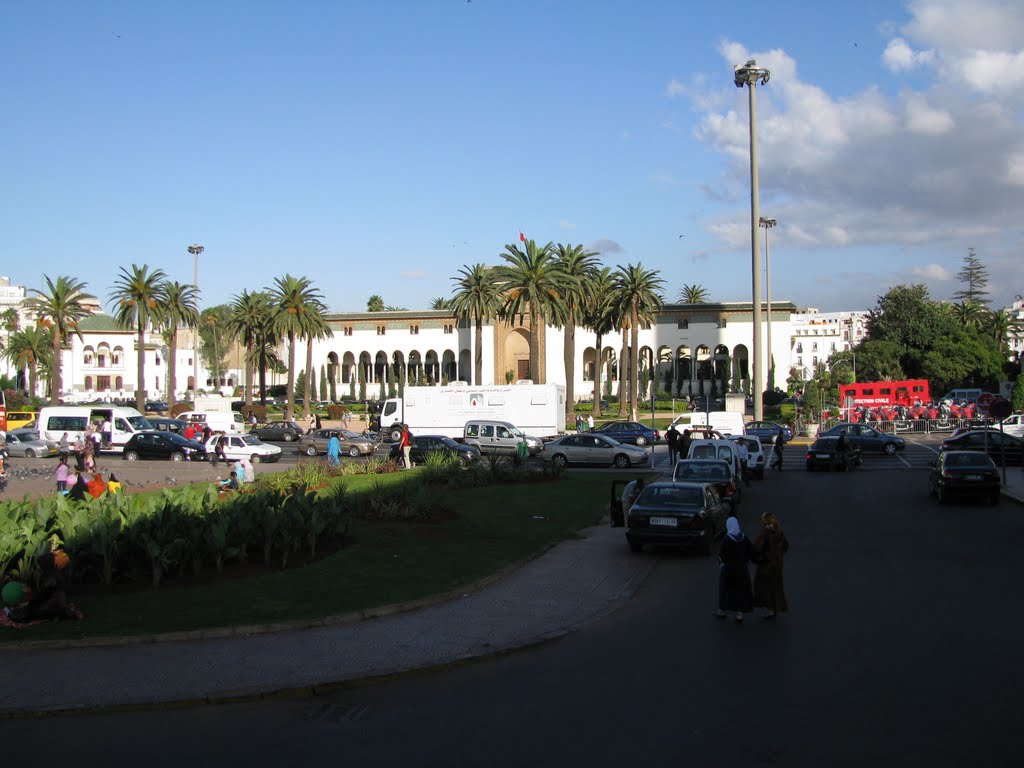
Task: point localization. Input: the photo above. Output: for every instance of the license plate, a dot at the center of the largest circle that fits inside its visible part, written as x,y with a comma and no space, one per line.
972,477
823,455
667,521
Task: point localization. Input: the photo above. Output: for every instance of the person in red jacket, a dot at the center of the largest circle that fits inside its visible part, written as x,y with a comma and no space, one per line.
407,446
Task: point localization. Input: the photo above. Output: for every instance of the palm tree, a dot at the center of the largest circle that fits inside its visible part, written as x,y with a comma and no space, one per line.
533,283
477,299
440,302
314,327
970,314
599,316
578,267
30,350
638,295
59,308
181,309
293,299
250,312
139,300
375,304
1001,326
693,294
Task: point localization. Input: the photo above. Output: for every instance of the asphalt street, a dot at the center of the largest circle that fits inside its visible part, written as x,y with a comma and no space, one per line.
902,648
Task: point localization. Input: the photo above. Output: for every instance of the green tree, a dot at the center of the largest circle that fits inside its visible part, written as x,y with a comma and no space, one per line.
638,291
579,267
181,309
477,298
1001,326
973,275
532,284
1017,397
294,299
323,383
440,302
215,340
694,294
250,321
138,302
375,304
30,350
60,308
300,384
600,315
969,314
314,327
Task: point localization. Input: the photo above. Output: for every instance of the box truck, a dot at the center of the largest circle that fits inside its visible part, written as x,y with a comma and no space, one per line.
536,409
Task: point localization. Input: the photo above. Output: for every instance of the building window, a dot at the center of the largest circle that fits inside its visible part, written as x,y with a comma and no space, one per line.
645,325
721,323
814,347
158,359
414,330
381,329
682,325
799,348
347,330
449,328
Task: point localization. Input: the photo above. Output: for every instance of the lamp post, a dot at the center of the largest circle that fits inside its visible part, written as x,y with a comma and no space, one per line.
748,75
195,249
768,224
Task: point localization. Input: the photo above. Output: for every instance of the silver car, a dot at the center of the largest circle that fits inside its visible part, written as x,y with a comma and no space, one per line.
593,449
27,443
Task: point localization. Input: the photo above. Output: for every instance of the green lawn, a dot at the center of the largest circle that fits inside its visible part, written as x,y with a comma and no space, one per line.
386,563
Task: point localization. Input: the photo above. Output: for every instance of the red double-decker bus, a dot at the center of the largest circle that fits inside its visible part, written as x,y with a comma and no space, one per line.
872,394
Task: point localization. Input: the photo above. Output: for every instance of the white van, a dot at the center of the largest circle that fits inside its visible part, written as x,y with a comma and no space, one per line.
219,421
55,420
723,450
962,395
726,422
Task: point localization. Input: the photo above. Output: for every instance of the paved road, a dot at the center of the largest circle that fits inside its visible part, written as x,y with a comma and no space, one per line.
903,648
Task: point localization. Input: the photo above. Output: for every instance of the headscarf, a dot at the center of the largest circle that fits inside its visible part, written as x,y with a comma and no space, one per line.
732,527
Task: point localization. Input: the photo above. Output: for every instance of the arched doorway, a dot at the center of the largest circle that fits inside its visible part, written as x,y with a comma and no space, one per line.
517,355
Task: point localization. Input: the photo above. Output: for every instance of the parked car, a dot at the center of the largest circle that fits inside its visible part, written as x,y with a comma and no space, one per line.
315,443
767,431
156,407
278,431
422,445
711,471
151,444
238,447
500,437
824,453
168,425
755,456
868,439
595,449
26,442
988,441
679,514
967,474
629,432
722,450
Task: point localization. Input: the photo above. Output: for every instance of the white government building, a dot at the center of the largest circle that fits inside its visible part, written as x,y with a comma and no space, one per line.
687,344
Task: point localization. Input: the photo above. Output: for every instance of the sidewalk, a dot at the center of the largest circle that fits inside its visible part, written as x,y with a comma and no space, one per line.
594,575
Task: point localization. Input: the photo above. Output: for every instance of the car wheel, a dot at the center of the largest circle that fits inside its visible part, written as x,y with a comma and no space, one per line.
131,456
635,546
622,461
30,454
288,437
177,457
311,450
559,460
890,449
354,451
255,459
395,435
641,441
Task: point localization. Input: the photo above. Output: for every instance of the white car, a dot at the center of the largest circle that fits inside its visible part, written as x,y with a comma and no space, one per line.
1014,424
755,455
238,447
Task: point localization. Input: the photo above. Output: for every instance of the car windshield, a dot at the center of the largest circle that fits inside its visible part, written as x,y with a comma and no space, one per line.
348,434
250,440
139,422
174,437
448,442
26,436
671,497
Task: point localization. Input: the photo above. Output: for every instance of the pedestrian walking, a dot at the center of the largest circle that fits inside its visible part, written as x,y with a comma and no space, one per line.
319,424
62,474
333,450
770,550
744,458
219,453
407,446
89,456
777,452
344,417
80,453
672,438
734,591
590,422
579,423
312,423
684,444
64,447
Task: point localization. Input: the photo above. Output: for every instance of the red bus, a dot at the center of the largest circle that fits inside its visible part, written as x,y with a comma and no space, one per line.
872,394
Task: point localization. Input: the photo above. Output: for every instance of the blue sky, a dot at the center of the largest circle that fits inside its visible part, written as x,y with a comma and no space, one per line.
379,147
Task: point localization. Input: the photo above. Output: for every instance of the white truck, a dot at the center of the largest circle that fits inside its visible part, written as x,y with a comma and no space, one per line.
536,409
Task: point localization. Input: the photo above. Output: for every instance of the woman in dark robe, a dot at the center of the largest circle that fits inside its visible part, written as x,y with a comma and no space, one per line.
734,592
769,551
80,490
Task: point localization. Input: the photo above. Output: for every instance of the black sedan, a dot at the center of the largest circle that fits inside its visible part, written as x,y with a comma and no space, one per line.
868,439
825,453
629,432
965,474
275,431
163,445
996,445
679,514
424,445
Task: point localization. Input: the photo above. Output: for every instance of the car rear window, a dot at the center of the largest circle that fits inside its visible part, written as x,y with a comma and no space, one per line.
671,497
968,460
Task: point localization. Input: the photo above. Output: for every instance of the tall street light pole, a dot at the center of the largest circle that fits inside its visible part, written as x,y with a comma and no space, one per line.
768,224
749,74
195,249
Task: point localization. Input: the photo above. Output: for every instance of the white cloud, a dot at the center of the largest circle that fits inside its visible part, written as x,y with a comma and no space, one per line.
899,57
932,272
413,274
921,118
605,246
566,225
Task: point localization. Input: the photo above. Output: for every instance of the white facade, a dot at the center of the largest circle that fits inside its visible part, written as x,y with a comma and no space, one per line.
816,336
1016,336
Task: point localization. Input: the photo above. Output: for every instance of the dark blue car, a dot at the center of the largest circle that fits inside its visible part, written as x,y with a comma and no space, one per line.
630,432
766,431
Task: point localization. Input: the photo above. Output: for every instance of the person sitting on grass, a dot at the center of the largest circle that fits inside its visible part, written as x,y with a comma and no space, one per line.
49,601
231,484
113,485
80,490
97,486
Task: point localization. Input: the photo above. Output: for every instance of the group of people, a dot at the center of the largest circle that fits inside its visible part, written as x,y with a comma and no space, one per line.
736,593
242,472
72,482
85,447
585,424
46,600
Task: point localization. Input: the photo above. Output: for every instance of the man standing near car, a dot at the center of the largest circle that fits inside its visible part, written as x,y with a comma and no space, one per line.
744,458
684,444
672,438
